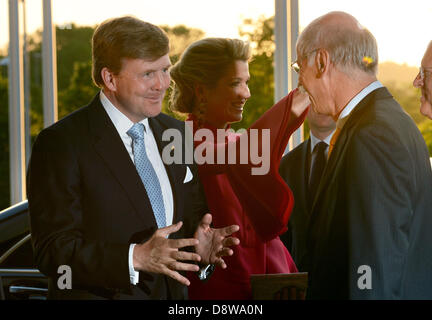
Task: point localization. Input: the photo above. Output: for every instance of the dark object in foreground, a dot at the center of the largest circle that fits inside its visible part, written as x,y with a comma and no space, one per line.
290,286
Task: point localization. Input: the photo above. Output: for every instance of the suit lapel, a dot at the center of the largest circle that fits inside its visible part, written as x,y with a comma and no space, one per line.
334,165
110,147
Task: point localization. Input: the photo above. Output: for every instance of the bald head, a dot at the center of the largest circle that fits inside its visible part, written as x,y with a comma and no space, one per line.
351,46
340,19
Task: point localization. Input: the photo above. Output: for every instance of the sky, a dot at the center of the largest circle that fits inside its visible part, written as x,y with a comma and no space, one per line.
402,28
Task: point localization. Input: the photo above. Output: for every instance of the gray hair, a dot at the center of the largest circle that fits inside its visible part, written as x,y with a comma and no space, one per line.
349,48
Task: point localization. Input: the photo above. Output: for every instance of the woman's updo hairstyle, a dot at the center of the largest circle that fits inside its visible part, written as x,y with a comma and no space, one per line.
203,62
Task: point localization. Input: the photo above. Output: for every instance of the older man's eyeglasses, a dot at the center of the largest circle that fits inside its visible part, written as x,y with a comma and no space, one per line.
424,71
295,65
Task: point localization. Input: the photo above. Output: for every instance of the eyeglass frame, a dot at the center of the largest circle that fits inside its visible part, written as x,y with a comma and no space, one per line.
296,67
422,72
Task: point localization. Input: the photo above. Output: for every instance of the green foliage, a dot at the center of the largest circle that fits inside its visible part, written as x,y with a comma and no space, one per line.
426,130
180,38
73,46
260,35
408,97
80,90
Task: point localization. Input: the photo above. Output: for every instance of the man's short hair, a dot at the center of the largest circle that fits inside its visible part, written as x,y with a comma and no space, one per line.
349,48
125,37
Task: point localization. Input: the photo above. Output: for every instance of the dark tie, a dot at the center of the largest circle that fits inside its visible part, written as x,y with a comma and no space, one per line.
317,169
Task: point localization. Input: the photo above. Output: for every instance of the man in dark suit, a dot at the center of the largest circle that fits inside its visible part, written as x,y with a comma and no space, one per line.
423,81
302,169
368,235
102,201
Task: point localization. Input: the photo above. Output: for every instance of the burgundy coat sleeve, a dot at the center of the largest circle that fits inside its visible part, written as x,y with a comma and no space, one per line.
266,198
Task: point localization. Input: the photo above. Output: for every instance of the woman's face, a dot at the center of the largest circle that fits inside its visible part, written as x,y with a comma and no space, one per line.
225,101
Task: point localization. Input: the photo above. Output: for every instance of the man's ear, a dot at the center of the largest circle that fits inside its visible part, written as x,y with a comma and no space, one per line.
322,62
109,79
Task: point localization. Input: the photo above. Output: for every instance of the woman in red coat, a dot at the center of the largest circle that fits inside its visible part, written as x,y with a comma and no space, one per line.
211,85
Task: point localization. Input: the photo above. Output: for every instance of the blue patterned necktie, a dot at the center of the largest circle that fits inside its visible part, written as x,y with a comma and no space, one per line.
147,173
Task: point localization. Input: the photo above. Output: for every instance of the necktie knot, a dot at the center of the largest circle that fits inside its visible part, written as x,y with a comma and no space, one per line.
137,131
320,147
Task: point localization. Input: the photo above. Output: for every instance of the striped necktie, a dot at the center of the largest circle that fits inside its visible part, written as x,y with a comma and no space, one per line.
333,141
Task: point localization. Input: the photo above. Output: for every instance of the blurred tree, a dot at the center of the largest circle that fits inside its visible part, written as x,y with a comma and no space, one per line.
73,46
73,52
180,38
260,35
75,85
80,91
408,97
426,130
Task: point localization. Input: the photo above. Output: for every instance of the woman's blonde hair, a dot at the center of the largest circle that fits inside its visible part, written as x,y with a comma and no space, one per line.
203,62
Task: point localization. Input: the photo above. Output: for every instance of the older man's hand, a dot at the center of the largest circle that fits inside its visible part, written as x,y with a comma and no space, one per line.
300,102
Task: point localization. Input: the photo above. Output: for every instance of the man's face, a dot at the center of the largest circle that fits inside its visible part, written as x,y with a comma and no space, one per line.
424,82
140,87
314,86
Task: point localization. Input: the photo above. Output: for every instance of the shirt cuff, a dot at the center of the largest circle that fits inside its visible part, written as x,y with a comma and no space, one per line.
133,275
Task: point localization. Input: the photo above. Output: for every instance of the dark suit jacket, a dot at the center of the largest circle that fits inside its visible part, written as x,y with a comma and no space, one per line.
295,169
373,208
87,204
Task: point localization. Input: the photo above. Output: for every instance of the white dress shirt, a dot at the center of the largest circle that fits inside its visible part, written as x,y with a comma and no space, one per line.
123,124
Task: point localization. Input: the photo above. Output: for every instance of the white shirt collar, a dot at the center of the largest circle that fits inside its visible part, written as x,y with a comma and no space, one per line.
119,119
343,117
